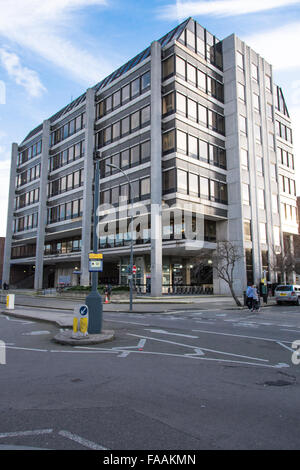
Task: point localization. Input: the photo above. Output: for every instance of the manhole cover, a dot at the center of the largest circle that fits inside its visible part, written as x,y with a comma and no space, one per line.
278,383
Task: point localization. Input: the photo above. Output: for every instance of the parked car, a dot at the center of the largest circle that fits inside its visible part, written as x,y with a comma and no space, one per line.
287,293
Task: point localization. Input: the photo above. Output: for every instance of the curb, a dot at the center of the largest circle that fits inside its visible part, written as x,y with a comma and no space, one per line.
65,337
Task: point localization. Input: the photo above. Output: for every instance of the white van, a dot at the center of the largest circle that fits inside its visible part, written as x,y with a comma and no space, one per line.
287,293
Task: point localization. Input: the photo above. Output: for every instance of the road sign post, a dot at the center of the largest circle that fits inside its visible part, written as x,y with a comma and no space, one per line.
94,300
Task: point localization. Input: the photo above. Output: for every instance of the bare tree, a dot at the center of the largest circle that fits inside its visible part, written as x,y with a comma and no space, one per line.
223,260
283,262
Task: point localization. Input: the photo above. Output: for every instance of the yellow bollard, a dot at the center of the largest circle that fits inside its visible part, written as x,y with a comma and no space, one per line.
75,325
83,326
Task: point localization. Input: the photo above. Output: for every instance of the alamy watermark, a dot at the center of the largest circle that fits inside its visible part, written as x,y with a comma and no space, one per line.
2,353
2,92
296,354
170,222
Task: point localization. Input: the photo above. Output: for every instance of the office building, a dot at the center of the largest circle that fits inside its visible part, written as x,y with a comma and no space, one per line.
198,126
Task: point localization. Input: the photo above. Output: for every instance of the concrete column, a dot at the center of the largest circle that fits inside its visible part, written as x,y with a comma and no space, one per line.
156,171
42,212
88,187
10,211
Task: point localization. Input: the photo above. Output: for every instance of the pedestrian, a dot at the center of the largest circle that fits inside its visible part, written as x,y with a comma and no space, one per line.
264,291
256,304
109,290
249,295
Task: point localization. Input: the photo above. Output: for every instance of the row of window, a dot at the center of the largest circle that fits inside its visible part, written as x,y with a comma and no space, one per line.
241,91
26,222
23,251
194,76
199,149
29,175
128,158
177,180
68,129
286,158
200,41
67,156
61,247
289,212
121,194
122,128
172,229
284,132
199,186
65,183
29,153
65,211
200,114
199,79
287,185
26,199
123,96
240,59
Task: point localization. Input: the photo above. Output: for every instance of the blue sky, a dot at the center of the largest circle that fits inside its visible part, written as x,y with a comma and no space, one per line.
51,51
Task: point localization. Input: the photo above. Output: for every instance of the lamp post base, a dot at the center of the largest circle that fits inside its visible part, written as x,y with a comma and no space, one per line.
94,303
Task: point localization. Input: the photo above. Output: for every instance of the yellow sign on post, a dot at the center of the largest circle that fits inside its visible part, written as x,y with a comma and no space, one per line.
95,256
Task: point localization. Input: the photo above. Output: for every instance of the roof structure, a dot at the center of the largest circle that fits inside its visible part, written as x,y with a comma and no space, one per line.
166,39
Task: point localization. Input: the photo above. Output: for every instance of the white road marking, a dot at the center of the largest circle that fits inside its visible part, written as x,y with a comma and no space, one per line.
26,433
27,349
36,333
163,332
128,322
286,347
204,349
81,440
292,331
241,336
24,322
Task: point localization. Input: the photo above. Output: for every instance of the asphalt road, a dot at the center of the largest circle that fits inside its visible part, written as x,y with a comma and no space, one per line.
185,380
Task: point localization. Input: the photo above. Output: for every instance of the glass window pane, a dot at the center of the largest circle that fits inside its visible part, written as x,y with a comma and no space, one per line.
146,78
182,181
191,74
125,94
180,67
116,99
168,104
202,115
192,110
116,130
145,115
135,155
135,88
201,80
193,184
181,104
168,141
135,120
193,146
182,142
125,125
145,150
203,150
125,159
145,186
168,67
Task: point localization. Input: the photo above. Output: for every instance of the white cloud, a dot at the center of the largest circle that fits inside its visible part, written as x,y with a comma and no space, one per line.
23,76
46,27
184,9
278,45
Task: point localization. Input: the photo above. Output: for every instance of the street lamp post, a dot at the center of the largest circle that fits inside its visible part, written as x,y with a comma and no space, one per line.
94,300
131,246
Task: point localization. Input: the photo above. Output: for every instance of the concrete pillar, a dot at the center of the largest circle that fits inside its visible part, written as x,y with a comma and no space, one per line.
10,211
42,212
88,187
156,171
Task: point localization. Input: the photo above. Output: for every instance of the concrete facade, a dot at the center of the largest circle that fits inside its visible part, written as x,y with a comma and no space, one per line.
200,130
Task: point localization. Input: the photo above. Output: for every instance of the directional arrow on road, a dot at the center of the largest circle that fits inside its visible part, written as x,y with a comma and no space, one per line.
163,332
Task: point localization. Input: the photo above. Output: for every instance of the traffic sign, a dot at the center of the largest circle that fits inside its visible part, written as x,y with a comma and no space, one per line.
95,256
95,266
83,310
133,269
